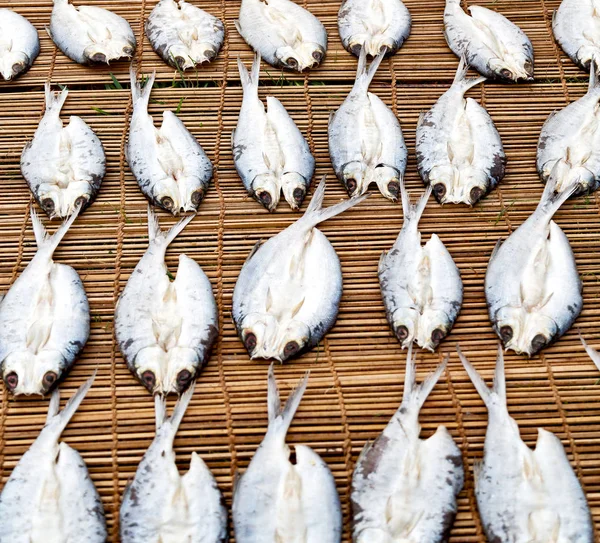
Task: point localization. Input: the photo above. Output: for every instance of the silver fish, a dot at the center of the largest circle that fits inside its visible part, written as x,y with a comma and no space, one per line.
285,34
277,500
168,163
366,144
459,151
491,44
63,166
576,27
570,140
160,505
89,34
405,488
166,328
376,25
525,496
420,285
532,287
269,151
19,44
49,496
288,293
183,34
44,318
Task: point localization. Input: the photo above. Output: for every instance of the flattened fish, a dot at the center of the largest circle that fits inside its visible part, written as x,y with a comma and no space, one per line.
570,141
366,144
168,163
277,500
269,151
532,286
44,319
183,34
404,489
89,34
285,34
576,27
459,151
491,44
377,25
525,496
166,326
19,44
160,505
63,165
49,496
420,285
288,293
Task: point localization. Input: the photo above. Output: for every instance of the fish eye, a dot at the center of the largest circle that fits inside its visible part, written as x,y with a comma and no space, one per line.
351,185
439,190
528,66
505,72
299,195
265,199
81,201
355,49
197,197
210,54
179,62
506,334
16,68
537,343
149,379
250,342
290,349
394,188
402,332
384,49
475,194
49,379
11,380
167,203
292,63
128,50
183,379
99,58
48,205
437,335
318,55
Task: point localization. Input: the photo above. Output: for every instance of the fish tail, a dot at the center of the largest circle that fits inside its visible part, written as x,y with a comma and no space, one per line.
42,239
280,419
461,79
551,201
364,74
413,212
55,100
315,213
593,353
179,410
487,394
415,395
58,421
250,80
155,233
140,94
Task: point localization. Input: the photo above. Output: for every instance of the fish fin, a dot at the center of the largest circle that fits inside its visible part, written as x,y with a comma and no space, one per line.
42,239
364,451
593,353
249,80
280,419
139,93
315,213
256,247
237,477
461,79
551,201
54,405
415,395
594,81
55,100
486,393
181,407
496,247
413,212
60,420
477,465
381,265
155,233
421,117
365,75
238,27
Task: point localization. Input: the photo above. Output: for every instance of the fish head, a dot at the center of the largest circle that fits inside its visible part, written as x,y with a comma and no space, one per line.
355,178
388,181
12,63
203,52
27,373
265,337
434,326
524,332
166,196
181,369
441,179
301,57
294,189
102,52
62,202
267,190
471,185
191,195
513,67
405,325
292,340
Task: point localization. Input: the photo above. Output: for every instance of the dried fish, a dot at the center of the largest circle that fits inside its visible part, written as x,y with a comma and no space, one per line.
19,44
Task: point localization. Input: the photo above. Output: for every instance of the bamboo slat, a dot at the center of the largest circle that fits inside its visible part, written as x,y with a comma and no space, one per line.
357,372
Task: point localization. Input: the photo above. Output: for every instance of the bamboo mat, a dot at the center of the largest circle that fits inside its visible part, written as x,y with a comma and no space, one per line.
358,370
